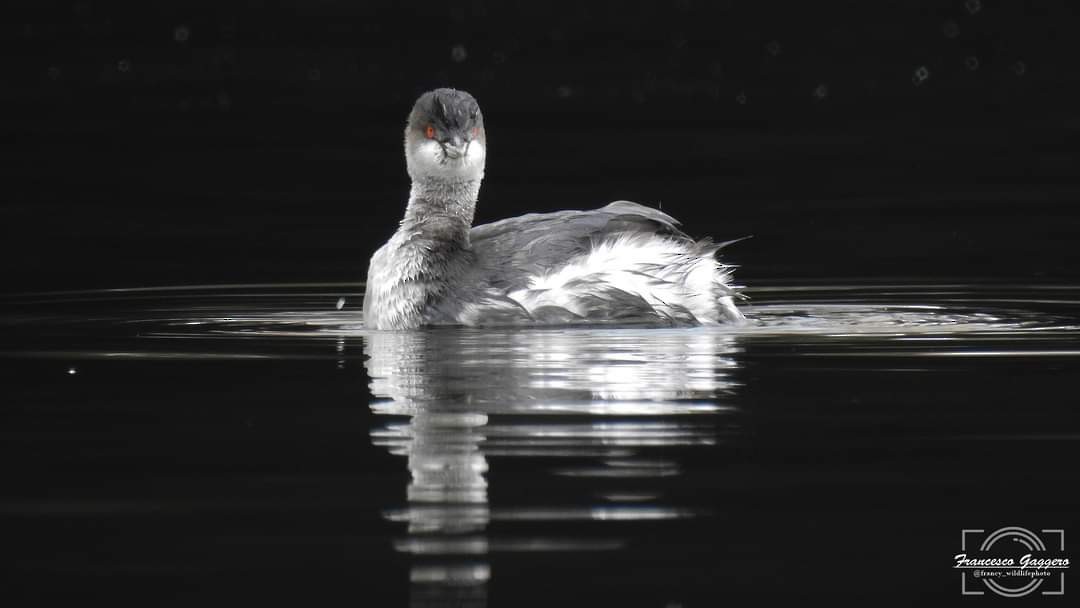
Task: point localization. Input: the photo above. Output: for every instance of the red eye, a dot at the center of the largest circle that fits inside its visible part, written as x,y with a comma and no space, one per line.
430,132
476,132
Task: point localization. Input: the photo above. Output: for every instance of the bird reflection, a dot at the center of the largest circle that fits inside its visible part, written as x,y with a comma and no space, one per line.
595,402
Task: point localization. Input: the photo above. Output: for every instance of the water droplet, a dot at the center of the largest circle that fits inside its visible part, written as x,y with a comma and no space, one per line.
741,98
181,33
340,303
821,92
973,6
458,53
950,29
564,92
124,66
72,371
922,73
1019,68
773,47
54,73
224,101
498,57
314,74
971,62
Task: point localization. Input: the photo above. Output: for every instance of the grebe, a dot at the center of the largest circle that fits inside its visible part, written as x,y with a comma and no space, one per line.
623,263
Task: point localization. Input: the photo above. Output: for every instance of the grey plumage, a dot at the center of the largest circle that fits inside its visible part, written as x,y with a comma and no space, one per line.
506,256
516,248
622,263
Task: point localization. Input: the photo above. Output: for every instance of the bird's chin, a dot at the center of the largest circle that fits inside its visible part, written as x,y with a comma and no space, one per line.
431,159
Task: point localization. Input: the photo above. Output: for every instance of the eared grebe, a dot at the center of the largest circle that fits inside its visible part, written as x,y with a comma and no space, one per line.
622,263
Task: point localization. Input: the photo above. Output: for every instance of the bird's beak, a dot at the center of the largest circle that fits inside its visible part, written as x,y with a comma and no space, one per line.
456,147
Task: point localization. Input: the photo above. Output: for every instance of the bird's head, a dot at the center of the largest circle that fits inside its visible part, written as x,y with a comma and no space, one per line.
445,137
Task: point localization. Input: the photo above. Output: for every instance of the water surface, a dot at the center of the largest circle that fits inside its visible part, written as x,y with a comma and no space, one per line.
255,441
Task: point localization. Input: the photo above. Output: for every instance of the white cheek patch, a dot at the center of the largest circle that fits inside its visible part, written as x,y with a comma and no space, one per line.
476,155
429,159
428,154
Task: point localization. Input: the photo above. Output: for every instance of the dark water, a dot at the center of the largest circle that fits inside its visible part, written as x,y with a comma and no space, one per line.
201,445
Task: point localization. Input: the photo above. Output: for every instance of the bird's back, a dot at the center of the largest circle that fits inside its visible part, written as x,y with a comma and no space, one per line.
621,263
516,249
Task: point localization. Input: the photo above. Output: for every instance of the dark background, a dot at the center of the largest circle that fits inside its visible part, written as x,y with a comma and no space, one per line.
205,142
181,143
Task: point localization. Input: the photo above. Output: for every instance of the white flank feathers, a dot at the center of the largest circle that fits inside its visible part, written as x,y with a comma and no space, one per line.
664,273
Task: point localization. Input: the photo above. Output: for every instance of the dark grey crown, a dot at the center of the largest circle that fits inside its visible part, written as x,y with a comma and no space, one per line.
449,111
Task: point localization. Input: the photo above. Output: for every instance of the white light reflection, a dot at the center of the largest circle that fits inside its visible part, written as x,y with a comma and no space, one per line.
462,575
456,585
419,545
598,400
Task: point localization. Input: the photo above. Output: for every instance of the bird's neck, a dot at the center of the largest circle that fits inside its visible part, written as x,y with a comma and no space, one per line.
442,209
425,257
